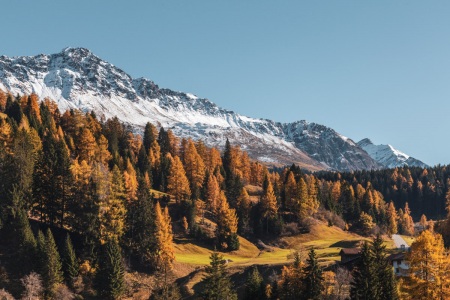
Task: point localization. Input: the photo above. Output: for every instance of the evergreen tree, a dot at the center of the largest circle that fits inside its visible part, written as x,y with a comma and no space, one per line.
53,274
313,277
110,274
141,225
217,285
70,264
384,286
363,276
254,287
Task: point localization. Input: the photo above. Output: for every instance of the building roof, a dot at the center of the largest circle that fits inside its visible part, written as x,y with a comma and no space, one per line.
396,256
350,251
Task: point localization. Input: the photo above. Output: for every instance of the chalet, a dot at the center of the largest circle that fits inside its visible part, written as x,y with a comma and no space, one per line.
399,263
349,254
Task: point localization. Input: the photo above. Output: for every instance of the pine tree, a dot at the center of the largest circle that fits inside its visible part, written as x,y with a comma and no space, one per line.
141,225
217,285
26,248
110,274
313,277
70,264
363,276
384,286
53,274
254,286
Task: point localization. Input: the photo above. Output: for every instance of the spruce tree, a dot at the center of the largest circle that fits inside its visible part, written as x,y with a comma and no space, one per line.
254,287
217,285
53,274
313,277
384,284
363,276
110,274
70,263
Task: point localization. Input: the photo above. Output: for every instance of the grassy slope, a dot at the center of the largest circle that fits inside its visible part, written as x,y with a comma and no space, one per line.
328,241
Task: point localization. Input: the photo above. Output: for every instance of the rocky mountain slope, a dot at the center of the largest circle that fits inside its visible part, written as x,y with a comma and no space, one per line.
388,156
76,78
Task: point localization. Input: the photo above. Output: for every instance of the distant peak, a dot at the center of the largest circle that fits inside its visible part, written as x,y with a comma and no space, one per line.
78,51
365,141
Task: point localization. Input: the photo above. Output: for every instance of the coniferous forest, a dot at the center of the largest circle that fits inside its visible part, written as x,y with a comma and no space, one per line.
87,205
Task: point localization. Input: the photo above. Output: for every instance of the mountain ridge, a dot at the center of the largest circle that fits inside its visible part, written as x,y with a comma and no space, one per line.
77,78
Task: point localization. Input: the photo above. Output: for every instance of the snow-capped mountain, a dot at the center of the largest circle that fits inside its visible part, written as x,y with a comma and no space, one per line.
76,78
388,156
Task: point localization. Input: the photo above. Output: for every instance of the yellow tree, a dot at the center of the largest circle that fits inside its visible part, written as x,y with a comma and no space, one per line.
269,204
290,191
429,268
102,154
194,167
227,224
291,284
392,218
407,222
112,211
86,145
131,182
165,254
305,205
177,182
212,192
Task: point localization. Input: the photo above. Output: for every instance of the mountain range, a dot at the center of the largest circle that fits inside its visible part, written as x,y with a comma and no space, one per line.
77,78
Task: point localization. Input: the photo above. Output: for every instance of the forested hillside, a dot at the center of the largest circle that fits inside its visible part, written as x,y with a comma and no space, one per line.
84,201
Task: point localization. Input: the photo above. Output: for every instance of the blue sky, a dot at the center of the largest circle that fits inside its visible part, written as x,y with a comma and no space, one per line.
377,69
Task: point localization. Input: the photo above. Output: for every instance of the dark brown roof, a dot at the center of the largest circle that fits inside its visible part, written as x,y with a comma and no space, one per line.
396,256
350,251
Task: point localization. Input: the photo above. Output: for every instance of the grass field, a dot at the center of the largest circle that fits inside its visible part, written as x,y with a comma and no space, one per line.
327,241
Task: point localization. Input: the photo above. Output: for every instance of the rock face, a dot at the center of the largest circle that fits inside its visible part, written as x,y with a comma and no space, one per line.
76,78
388,156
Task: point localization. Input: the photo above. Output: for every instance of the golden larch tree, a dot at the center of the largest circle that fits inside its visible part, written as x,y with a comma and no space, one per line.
164,253
227,224
86,145
269,205
177,182
131,182
392,218
194,166
429,268
212,192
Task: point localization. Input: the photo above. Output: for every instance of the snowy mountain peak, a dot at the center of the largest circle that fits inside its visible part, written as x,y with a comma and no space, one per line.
388,156
77,78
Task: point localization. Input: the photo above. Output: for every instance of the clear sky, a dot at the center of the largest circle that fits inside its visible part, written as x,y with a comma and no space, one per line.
377,69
